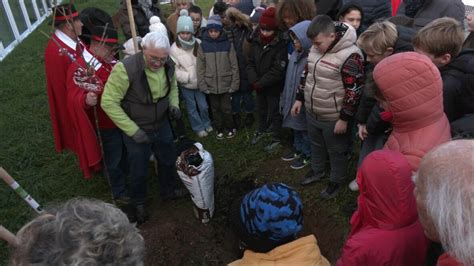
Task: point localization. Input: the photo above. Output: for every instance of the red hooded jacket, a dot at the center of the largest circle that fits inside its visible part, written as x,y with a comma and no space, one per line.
413,89
385,227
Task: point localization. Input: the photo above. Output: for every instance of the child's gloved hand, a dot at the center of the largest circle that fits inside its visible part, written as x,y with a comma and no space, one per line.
256,87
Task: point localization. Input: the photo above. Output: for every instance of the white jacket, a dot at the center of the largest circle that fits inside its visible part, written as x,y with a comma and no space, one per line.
185,66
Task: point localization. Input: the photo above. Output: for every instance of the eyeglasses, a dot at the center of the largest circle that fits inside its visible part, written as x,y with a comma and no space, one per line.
154,59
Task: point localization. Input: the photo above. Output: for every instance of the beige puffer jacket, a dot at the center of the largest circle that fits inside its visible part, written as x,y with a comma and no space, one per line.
324,90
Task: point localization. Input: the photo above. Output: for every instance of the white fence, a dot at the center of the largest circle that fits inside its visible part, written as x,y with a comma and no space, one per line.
18,18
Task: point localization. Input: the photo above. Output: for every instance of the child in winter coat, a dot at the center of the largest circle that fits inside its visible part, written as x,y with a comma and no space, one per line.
184,54
242,100
385,228
199,23
294,81
331,96
266,71
172,20
411,90
441,40
218,75
380,40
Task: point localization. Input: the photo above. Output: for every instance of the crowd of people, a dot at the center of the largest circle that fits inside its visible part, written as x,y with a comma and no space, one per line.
397,75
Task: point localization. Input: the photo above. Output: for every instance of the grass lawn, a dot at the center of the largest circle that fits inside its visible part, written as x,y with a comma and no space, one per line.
27,147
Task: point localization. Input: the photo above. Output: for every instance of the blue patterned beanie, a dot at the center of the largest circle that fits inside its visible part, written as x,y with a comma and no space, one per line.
272,212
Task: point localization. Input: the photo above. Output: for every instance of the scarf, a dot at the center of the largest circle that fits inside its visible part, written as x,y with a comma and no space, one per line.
267,39
187,45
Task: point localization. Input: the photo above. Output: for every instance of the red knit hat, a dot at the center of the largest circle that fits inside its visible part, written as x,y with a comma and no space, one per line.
268,19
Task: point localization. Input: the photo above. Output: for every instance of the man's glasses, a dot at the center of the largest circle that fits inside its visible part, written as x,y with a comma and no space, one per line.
155,59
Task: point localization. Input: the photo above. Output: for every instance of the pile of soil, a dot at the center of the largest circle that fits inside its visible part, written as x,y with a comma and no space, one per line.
174,237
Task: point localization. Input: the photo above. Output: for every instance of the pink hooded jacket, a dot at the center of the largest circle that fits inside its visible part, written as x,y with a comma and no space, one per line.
385,229
413,89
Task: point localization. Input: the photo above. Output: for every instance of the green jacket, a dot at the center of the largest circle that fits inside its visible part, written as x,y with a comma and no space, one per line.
117,86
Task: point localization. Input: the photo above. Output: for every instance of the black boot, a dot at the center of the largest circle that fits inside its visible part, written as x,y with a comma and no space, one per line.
249,120
237,122
123,203
141,213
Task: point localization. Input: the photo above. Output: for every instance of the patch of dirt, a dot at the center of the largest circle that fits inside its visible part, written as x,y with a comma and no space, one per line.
174,237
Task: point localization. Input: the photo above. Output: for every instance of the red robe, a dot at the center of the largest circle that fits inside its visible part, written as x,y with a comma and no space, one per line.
82,117
395,5
57,63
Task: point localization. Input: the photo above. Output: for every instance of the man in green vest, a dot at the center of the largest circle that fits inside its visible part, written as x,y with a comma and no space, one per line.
140,94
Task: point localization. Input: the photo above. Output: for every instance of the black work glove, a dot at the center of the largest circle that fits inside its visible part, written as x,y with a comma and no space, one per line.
141,137
175,113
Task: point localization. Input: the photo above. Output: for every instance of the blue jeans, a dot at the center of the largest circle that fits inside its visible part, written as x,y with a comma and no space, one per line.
197,108
301,142
138,158
115,161
242,100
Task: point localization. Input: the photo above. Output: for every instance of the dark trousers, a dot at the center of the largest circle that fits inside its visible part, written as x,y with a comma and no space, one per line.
115,160
269,114
221,111
138,159
324,142
242,100
370,144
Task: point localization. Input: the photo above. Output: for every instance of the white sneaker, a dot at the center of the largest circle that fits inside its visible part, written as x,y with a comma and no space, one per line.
209,129
202,134
354,186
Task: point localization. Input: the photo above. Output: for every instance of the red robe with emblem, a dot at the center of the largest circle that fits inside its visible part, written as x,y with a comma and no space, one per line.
83,119
57,61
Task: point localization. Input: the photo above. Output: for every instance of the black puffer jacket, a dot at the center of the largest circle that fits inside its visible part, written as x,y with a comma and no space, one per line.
328,7
267,65
367,101
430,10
239,37
458,86
373,10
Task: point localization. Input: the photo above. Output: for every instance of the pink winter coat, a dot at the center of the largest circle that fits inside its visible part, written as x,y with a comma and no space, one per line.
413,89
385,229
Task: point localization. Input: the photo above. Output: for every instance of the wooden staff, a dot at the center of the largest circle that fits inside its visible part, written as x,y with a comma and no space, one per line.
20,191
132,25
8,236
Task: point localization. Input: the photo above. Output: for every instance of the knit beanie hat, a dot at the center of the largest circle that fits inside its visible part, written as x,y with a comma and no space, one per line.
268,19
185,23
157,26
214,22
269,216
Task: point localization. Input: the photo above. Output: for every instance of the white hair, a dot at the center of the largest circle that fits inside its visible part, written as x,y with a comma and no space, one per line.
80,232
449,196
156,40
